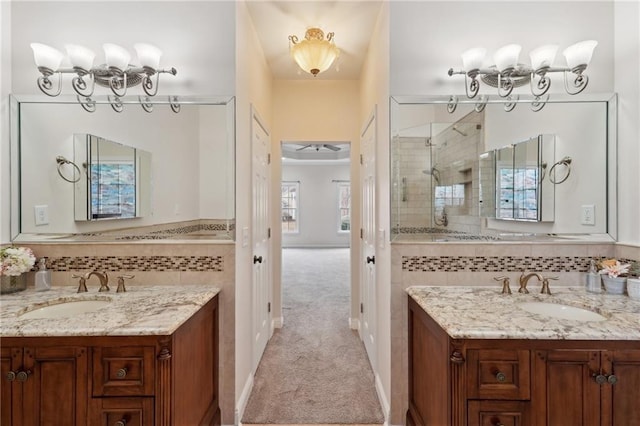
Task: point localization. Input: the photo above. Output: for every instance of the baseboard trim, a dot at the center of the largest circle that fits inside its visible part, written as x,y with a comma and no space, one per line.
382,397
244,399
277,322
354,324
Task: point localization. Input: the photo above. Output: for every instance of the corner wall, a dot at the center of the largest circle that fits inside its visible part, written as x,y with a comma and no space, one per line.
5,89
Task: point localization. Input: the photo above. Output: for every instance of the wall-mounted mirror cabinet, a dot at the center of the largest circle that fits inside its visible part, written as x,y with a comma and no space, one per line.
490,172
164,174
514,182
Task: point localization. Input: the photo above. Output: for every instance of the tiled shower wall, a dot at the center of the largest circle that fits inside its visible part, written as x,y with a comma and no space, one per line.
477,264
159,263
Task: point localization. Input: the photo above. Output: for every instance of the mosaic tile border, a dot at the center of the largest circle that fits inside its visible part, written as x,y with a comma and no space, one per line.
136,263
497,263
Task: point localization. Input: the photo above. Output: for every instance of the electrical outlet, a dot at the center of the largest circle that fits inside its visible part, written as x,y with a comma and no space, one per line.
41,214
588,216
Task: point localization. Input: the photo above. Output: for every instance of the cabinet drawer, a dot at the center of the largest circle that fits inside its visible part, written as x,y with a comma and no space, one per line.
121,412
498,374
497,413
123,371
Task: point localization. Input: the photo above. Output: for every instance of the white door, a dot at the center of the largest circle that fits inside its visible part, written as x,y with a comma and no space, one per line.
368,243
260,147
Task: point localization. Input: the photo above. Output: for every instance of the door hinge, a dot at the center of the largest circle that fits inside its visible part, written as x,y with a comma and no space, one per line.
268,158
268,306
268,232
361,159
362,308
361,233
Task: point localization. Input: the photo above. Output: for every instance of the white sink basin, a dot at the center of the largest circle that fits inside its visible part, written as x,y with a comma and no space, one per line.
556,310
64,309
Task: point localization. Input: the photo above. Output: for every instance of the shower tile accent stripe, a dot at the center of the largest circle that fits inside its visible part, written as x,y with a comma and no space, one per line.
137,263
496,263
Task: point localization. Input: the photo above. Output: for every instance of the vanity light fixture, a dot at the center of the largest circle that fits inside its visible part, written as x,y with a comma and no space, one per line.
314,54
116,73
508,73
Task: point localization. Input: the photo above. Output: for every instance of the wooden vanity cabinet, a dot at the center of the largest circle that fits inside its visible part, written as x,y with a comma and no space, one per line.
114,380
475,382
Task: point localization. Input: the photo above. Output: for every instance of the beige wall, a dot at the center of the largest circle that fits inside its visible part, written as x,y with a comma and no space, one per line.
253,88
314,110
5,89
374,96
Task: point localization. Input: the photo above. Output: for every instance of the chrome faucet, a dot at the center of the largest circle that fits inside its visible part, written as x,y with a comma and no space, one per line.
524,279
102,276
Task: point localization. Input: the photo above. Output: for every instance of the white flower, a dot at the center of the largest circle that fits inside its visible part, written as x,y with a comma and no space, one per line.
16,260
614,268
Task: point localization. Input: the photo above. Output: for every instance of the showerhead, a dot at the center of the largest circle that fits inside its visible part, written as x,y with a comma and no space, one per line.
433,172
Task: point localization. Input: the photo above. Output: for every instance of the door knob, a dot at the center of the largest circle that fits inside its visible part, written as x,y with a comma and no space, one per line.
371,259
22,376
257,259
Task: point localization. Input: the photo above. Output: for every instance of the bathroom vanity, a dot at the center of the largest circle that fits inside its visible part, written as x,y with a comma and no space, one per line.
148,356
481,358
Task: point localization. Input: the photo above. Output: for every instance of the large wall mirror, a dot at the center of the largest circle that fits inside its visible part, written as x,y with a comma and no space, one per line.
492,171
164,171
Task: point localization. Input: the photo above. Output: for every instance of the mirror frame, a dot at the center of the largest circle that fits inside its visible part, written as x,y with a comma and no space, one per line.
15,100
611,100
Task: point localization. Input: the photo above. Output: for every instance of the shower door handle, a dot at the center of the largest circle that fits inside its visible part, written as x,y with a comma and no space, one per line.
257,259
371,259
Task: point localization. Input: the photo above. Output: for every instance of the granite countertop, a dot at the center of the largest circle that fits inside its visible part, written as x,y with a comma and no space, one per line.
485,313
141,310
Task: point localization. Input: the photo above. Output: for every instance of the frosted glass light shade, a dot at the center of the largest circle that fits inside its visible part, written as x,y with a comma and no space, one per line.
314,54
543,56
80,56
473,58
579,53
47,56
507,56
148,55
116,56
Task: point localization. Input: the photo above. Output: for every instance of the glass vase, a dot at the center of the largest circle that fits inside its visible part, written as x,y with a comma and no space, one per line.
12,283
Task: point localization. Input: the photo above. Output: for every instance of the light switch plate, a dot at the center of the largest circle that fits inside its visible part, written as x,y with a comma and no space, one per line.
41,214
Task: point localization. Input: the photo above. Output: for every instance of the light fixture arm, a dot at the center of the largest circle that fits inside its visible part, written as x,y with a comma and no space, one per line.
118,83
505,84
80,85
542,85
46,85
579,82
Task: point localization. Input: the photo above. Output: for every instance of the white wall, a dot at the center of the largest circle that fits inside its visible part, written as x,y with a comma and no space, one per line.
374,96
5,89
318,211
253,87
626,33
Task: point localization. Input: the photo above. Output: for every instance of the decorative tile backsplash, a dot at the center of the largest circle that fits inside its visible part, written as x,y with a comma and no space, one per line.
496,263
137,263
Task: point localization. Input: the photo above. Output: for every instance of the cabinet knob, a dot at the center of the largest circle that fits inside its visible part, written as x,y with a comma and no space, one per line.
501,377
122,422
599,378
612,379
22,376
122,373
495,421
11,376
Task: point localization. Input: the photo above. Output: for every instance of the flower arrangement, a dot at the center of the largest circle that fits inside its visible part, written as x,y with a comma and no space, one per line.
613,268
16,260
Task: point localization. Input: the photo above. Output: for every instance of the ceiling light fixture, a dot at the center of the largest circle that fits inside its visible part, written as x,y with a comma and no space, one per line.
117,73
314,54
508,73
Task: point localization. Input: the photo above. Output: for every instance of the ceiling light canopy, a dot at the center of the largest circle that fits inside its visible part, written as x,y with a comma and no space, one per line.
314,54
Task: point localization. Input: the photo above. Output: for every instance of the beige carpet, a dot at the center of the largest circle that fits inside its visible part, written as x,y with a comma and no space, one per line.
315,369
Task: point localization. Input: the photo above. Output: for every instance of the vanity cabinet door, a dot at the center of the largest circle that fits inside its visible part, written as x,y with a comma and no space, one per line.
55,392
497,413
565,391
621,393
498,374
10,388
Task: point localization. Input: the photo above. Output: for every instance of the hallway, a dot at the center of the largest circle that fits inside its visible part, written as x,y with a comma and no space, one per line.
314,369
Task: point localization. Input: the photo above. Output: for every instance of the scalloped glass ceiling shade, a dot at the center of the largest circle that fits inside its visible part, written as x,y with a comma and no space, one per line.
46,56
543,56
80,56
579,53
472,59
314,54
148,55
116,56
507,56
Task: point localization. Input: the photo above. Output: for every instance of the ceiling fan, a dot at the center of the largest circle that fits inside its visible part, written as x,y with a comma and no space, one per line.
318,147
